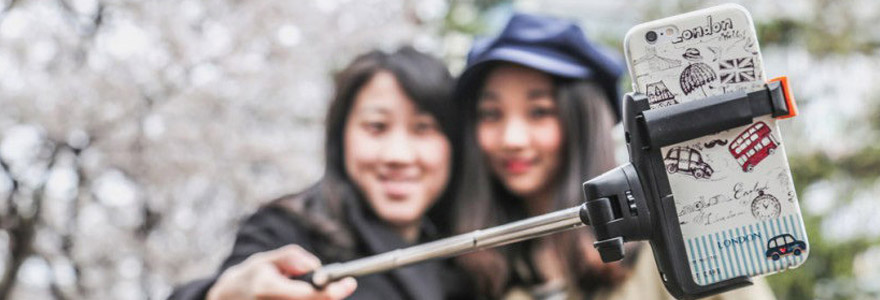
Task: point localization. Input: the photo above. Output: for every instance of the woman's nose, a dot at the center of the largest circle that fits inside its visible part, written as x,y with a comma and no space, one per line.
515,134
399,148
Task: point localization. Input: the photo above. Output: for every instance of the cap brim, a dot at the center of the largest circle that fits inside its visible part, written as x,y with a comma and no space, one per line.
556,63
551,62
539,58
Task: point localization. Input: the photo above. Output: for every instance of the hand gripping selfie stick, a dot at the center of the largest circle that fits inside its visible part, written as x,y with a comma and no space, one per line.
632,202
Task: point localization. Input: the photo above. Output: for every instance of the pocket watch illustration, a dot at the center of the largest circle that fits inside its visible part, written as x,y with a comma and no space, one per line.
765,207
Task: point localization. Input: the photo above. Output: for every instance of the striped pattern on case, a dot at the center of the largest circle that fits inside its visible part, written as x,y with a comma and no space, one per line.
743,251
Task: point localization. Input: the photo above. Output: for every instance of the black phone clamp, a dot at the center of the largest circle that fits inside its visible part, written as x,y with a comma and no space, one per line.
634,202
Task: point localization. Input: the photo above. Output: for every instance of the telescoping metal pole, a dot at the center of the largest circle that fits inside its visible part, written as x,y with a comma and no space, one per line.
533,227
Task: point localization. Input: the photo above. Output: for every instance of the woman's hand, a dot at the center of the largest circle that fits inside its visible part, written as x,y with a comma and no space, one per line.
266,275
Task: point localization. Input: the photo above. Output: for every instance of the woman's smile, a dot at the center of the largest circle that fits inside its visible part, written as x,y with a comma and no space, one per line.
518,166
399,187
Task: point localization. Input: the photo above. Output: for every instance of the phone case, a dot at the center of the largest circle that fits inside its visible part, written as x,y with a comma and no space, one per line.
734,196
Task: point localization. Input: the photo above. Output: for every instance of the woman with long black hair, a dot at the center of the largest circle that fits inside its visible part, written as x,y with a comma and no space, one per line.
539,102
388,162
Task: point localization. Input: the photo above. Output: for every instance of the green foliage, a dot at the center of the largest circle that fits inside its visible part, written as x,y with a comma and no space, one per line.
458,16
810,168
779,31
830,262
832,29
865,164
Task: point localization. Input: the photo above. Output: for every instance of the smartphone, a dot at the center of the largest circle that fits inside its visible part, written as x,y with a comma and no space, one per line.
733,192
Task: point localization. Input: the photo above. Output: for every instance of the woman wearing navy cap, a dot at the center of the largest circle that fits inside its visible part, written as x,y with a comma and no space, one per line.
539,102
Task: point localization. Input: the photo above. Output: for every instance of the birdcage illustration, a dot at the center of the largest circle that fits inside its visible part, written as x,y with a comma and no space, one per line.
697,74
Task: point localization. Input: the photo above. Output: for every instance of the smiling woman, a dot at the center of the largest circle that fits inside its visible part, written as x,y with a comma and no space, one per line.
518,129
538,106
402,158
389,159
539,102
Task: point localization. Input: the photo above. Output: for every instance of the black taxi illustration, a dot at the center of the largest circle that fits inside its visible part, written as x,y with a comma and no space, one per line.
687,160
784,245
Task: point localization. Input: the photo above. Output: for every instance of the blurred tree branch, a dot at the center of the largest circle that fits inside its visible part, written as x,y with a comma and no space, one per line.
94,20
22,225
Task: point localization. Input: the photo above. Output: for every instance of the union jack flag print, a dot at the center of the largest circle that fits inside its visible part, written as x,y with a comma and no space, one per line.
737,70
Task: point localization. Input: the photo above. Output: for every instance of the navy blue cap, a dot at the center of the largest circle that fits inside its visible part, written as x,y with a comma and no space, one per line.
557,47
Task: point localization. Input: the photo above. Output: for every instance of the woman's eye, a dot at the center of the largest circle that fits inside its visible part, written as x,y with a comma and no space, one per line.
541,112
375,127
423,127
488,115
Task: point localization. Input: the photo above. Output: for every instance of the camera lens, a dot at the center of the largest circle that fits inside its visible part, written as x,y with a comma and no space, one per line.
651,36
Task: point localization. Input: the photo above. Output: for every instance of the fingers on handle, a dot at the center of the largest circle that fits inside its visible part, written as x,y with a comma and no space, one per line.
281,288
338,289
273,286
293,260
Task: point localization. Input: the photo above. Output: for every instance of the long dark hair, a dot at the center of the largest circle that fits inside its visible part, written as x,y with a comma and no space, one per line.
482,201
428,83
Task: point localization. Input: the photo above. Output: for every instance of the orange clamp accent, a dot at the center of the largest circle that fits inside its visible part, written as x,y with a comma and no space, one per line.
789,99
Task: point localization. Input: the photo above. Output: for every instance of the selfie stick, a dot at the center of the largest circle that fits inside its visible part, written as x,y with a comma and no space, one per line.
538,226
632,202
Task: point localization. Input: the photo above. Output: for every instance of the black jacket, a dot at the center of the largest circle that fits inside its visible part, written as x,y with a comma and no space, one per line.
273,227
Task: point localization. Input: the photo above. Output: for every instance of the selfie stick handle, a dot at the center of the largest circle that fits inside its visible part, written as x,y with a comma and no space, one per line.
533,227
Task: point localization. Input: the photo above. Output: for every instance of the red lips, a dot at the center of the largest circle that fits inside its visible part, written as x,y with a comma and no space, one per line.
517,166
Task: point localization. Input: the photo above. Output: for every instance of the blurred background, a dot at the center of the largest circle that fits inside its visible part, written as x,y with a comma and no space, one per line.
136,135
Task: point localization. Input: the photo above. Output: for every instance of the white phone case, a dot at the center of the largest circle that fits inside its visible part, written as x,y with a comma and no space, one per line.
733,191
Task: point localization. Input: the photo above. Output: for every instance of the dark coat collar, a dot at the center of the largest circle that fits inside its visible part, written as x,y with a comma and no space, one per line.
419,281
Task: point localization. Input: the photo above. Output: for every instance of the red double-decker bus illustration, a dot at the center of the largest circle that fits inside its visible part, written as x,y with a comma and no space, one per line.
753,145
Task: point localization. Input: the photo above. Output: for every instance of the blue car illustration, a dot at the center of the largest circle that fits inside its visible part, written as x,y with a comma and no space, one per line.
784,245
